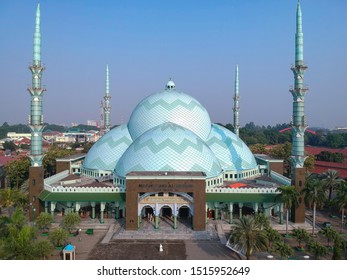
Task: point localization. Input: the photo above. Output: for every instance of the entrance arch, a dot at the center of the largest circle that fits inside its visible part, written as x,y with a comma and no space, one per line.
166,211
184,212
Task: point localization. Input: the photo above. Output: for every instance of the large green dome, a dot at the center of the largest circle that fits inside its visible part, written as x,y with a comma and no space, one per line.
168,147
170,106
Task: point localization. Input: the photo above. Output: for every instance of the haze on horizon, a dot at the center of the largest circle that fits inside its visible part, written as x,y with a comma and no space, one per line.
197,43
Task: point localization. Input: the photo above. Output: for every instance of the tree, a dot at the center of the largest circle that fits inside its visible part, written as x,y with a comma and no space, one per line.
44,221
9,145
58,237
17,171
301,235
262,221
314,196
331,180
49,161
272,236
43,249
317,249
70,221
341,200
290,198
248,237
283,249
258,149
329,233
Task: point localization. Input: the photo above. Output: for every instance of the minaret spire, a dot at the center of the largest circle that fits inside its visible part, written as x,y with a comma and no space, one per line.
299,91
36,92
236,103
36,170
107,108
299,120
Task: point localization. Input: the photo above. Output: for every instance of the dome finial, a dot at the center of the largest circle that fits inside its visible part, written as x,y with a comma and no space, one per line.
170,85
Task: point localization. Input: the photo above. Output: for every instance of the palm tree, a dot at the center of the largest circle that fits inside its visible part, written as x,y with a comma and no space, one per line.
301,235
314,195
283,249
290,198
248,237
317,249
341,200
272,236
329,233
262,221
331,180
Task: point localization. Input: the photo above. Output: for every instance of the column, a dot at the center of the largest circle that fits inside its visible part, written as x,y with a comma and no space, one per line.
240,209
52,208
174,213
230,212
102,211
93,209
255,207
77,207
117,210
68,205
46,206
281,213
156,213
216,210
207,214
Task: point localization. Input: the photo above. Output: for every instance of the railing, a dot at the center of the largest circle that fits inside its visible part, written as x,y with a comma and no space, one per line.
55,178
282,179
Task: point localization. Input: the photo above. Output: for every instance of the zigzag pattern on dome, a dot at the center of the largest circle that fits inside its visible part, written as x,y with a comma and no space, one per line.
232,153
106,152
169,106
168,147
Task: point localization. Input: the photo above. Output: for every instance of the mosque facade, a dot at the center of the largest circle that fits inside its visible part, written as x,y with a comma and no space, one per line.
168,161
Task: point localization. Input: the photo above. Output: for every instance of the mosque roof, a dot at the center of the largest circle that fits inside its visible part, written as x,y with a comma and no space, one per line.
169,147
170,131
170,106
106,152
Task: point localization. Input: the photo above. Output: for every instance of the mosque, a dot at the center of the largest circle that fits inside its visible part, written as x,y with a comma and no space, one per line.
168,161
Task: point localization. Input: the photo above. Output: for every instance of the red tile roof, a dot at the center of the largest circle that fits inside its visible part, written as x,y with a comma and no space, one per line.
322,166
4,160
316,150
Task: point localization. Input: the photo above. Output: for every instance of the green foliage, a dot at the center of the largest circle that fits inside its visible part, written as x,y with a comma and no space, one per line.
43,249
19,128
329,233
341,200
262,221
44,221
248,236
272,236
9,145
301,235
290,197
258,149
314,196
17,172
337,252
49,161
331,157
283,249
317,249
70,221
12,197
330,180
58,237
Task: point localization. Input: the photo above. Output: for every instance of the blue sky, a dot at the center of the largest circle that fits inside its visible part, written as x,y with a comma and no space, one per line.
195,42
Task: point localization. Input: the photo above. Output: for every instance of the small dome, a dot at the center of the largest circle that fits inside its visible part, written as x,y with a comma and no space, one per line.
106,152
232,153
168,147
169,106
170,85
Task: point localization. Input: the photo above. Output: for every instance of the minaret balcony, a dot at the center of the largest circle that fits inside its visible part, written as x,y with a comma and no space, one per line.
299,68
298,91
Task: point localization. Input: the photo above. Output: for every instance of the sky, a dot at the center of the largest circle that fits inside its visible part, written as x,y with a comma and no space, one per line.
197,43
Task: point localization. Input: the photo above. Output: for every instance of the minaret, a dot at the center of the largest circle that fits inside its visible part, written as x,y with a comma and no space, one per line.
107,108
236,103
299,119
102,123
36,122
